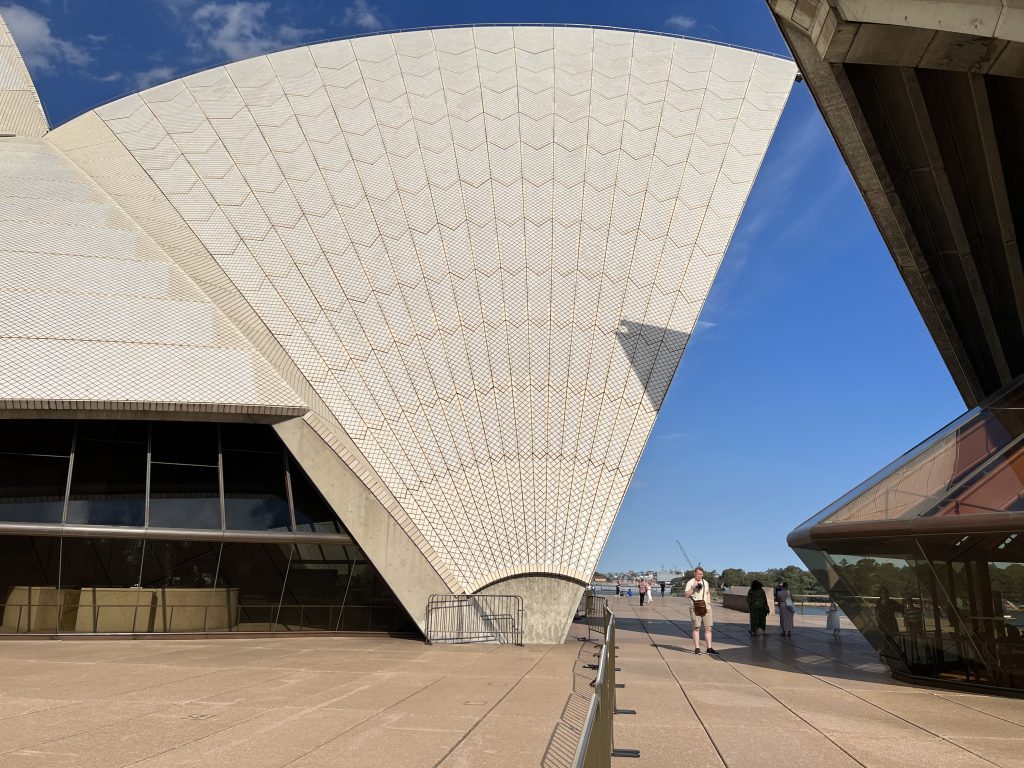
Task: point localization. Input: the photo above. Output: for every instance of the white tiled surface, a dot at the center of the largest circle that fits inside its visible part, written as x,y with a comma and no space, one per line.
91,311
485,249
21,114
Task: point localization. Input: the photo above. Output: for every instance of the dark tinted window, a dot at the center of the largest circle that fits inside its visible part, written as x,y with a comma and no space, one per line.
311,511
249,437
52,438
185,442
28,584
257,572
108,480
183,496
254,491
32,488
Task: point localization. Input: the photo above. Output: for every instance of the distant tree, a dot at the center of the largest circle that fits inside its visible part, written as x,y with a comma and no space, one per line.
735,577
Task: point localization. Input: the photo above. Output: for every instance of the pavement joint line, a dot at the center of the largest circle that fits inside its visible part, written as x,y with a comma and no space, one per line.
130,719
944,696
381,712
739,641
114,697
682,690
483,717
301,713
765,690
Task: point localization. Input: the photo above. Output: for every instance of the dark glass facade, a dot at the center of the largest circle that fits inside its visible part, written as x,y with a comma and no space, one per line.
138,527
927,557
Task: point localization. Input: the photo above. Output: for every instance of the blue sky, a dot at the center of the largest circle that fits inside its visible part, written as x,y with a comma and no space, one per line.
810,367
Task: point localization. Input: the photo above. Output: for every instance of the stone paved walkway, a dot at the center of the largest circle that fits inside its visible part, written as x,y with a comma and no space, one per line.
296,702
786,703
355,702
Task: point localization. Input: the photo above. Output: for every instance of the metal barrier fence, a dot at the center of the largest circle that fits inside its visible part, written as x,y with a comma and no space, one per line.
597,742
594,612
474,619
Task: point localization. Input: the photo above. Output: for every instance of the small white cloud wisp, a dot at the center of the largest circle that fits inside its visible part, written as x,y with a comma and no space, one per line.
42,50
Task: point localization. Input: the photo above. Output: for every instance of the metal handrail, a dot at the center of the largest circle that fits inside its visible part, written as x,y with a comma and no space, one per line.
596,746
19,614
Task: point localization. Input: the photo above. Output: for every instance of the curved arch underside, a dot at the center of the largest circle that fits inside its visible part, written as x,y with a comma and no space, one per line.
485,249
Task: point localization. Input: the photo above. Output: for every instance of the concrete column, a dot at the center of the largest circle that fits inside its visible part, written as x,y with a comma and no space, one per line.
549,604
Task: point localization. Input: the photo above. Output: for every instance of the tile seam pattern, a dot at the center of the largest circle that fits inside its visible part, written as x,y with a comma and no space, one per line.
433,226
853,694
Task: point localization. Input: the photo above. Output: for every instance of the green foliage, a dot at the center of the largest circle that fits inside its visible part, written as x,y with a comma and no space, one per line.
800,582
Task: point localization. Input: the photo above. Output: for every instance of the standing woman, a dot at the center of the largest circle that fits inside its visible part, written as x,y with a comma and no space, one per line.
832,623
786,610
757,603
642,589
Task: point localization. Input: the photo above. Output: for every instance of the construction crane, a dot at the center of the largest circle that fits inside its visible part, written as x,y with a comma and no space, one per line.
688,560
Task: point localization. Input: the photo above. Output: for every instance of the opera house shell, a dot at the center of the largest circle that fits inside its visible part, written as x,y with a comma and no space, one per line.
295,343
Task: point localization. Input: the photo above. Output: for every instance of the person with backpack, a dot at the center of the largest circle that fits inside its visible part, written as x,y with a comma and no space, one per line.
700,610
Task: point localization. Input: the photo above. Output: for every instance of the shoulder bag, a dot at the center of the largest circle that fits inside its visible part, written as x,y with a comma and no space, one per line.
700,608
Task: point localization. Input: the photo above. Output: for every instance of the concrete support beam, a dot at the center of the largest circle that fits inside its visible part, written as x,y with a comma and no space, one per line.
386,544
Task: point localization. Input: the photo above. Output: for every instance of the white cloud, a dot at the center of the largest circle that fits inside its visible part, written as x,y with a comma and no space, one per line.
240,30
152,76
363,15
40,49
680,22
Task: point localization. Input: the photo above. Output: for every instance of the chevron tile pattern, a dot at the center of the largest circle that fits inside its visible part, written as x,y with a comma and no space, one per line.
484,248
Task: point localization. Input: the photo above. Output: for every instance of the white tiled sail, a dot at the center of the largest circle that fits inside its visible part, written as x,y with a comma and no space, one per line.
21,113
485,249
93,315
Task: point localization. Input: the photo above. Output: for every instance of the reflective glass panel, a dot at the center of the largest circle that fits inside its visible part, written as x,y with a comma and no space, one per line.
36,436
102,575
249,437
254,491
184,496
254,574
182,576
29,593
318,582
108,479
185,442
32,488
312,513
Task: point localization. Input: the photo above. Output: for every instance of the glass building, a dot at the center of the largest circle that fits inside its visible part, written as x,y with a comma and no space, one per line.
130,527
927,557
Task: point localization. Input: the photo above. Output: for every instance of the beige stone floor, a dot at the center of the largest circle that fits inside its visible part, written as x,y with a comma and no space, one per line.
362,701
788,703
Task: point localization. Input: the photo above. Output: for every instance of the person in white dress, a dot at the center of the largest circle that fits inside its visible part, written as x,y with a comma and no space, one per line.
832,622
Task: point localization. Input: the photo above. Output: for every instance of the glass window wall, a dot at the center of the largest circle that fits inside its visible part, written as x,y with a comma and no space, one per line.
35,457
163,484
51,585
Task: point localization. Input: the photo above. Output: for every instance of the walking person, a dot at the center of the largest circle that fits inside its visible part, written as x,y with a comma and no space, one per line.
642,589
700,610
787,610
757,604
663,589
618,589
832,622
